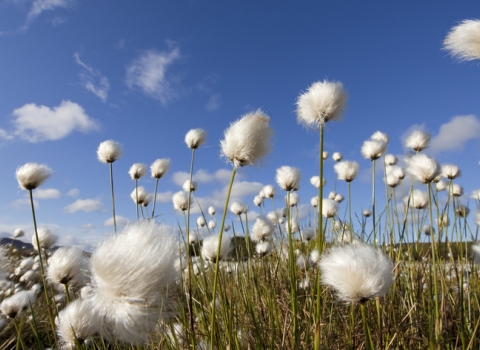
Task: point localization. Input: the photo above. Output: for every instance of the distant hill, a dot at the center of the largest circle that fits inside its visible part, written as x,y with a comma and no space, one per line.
20,245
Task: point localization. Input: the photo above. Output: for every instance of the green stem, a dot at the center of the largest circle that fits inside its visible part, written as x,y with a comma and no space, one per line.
113,199
217,260
155,197
366,329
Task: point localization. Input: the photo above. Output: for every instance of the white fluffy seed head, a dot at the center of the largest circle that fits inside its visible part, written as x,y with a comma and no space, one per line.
137,171
46,238
476,195
314,201
476,253
315,181
339,198
367,213
247,140
211,210
262,229
380,136
418,140
329,208
258,200
288,178
195,138
463,40
321,103
357,272
424,168
130,273
392,180
32,175
238,208
212,224
78,321
418,200
14,305
450,171
325,155
180,201
189,187
337,156
263,248
373,149
18,233
109,151
307,234
201,221
269,191
140,195
390,159
293,199
67,265
160,167
457,190
441,185
462,211
210,247
395,171
346,170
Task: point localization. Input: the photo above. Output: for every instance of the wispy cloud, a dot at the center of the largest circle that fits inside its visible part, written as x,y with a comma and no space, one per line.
203,176
86,205
40,6
92,79
41,123
46,193
24,203
454,135
74,192
148,72
213,103
164,197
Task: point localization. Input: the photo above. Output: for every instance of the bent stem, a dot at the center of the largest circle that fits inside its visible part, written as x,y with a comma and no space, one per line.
217,260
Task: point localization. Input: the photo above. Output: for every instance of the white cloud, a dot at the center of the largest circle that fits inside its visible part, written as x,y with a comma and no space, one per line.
41,123
5,135
47,193
39,6
213,103
24,203
87,226
92,79
74,192
203,176
164,197
148,72
56,21
86,205
121,221
453,135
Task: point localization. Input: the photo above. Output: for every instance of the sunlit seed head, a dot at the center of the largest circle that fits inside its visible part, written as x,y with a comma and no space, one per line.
395,171
315,181
325,155
258,201
422,167
450,171
314,201
476,195
321,103
337,156
339,198
441,185
418,199
380,136
160,167
238,208
428,230
211,244
180,201
263,248
46,238
272,216
457,190
18,233
139,195
67,265
262,229
390,159
189,187
211,210
248,140
329,208
346,170
462,211
392,181
463,40
332,195
288,178
32,175
269,191
373,149
357,272
201,221
109,151
137,171
292,199
18,302
212,224
195,138
367,213
418,140
307,234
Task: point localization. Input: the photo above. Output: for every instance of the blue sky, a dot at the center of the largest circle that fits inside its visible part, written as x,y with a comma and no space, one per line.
76,73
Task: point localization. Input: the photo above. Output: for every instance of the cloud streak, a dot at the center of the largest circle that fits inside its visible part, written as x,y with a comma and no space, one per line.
148,72
86,205
454,135
92,79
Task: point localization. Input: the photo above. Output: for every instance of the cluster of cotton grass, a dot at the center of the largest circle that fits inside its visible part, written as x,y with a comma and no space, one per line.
395,274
